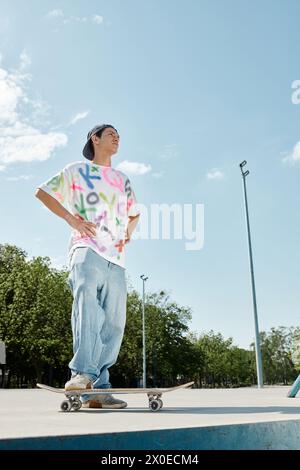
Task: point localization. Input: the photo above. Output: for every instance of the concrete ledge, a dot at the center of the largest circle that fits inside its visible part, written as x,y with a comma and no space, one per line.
282,435
191,419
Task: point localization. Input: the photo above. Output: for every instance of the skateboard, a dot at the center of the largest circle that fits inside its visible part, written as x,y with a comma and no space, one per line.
74,403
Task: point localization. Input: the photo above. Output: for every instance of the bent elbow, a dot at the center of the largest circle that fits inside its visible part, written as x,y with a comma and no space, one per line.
37,192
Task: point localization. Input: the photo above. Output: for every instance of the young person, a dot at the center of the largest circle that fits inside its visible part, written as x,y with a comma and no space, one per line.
99,204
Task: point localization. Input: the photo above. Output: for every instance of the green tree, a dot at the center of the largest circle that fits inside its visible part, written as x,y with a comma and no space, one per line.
35,306
296,348
220,363
35,311
276,347
167,348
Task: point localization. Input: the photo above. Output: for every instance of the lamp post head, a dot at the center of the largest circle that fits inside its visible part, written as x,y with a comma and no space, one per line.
246,173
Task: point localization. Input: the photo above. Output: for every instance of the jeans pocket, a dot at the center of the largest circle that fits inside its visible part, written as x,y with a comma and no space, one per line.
79,255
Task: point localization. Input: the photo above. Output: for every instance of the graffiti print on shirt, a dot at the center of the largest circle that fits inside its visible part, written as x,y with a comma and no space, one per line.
100,195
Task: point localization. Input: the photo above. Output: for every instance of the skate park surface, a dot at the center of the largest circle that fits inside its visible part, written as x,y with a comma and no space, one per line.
230,419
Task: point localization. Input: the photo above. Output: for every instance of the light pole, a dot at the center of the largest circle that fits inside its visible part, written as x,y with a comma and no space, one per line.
257,338
144,279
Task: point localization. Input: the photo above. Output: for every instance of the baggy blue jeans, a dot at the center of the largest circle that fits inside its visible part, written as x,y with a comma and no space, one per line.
98,314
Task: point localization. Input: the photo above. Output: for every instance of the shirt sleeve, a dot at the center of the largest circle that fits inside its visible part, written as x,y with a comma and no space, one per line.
132,203
59,186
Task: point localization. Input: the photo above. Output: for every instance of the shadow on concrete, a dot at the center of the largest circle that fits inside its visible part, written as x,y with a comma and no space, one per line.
202,410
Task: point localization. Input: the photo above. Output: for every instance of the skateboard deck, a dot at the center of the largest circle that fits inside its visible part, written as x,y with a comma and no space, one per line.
74,403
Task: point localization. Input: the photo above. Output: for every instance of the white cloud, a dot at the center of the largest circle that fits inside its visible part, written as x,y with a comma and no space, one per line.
294,156
134,168
20,177
25,60
54,13
20,138
97,19
59,14
215,174
169,152
10,94
32,147
74,19
39,113
78,117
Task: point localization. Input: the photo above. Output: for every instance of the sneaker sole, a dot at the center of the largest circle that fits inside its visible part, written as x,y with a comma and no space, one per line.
97,404
70,388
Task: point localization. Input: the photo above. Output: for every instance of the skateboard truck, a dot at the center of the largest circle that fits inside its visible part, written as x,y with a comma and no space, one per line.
155,401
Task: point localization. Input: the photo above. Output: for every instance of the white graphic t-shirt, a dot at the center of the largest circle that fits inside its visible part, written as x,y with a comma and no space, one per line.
98,194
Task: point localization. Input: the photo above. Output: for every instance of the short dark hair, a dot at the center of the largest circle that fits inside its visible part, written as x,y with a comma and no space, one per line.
99,134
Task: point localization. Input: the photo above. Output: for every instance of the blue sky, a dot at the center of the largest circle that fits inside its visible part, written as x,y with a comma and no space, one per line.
193,88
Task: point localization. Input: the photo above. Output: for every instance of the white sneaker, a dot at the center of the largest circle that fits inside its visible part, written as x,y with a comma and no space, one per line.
78,382
104,401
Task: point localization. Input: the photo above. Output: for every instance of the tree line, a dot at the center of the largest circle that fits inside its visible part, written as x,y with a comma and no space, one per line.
35,312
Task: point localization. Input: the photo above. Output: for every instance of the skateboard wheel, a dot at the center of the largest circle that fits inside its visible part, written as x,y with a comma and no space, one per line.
65,406
76,405
160,403
154,405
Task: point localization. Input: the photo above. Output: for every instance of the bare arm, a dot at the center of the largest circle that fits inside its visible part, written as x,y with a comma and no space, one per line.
76,222
133,221
53,204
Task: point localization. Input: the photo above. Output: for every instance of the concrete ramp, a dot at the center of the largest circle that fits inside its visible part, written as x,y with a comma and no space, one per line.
191,419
